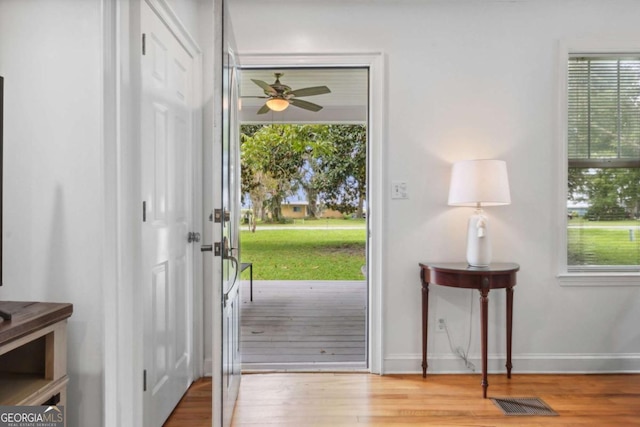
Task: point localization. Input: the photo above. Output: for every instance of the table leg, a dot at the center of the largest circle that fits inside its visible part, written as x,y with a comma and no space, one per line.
425,317
509,329
484,315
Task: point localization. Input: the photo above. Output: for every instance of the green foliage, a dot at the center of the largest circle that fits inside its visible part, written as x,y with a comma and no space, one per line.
606,213
613,193
327,161
272,160
576,184
344,169
299,254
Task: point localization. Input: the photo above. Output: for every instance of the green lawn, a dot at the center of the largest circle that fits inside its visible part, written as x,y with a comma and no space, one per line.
582,221
298,254
601,246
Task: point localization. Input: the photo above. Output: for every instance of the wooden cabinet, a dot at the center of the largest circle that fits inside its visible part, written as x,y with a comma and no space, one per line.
33,353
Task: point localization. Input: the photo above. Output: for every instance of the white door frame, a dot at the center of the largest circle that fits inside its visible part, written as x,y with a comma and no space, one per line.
121,43
375,206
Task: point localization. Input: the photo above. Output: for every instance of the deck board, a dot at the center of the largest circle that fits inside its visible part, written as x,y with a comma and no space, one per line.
298,324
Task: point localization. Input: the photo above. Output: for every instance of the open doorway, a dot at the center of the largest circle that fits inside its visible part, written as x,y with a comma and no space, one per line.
304,234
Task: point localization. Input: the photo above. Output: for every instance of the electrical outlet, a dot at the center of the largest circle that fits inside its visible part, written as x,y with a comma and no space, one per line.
441,325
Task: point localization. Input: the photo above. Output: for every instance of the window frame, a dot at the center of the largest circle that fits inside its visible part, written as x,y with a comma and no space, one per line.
599,277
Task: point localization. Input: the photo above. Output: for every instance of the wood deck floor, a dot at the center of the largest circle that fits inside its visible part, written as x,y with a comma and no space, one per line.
304,325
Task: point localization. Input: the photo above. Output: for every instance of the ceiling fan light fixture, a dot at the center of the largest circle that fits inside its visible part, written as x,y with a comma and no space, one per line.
277,104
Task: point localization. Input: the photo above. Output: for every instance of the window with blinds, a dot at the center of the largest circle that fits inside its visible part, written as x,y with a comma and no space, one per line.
603,197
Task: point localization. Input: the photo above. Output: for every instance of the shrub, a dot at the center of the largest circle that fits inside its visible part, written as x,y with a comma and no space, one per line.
606,213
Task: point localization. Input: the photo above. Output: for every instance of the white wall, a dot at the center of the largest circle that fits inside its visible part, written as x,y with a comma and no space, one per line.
468,79
50,56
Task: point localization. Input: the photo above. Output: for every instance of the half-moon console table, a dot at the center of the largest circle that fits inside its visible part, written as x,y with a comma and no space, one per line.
461,275
33,353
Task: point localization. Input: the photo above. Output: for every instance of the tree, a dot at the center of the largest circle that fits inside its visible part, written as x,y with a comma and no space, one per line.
247,170
613,193
630,191
328,162
576,184
343,170
274,158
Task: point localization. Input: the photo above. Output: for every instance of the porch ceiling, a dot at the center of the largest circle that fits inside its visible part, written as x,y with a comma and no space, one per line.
347,102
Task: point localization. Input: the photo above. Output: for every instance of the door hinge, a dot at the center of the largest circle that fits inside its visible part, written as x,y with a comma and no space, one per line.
144,211
144,44
144,380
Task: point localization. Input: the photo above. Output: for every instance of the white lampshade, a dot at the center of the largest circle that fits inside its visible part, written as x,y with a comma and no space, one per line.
479,183
277,104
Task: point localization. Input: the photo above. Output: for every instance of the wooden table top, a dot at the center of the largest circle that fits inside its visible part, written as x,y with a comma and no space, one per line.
463,266
29,316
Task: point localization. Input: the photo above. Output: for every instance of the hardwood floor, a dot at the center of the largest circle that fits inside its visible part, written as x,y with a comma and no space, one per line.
194,410
295,324
349,399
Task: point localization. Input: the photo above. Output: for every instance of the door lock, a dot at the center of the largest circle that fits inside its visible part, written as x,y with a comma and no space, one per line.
219,214
193,237
216,248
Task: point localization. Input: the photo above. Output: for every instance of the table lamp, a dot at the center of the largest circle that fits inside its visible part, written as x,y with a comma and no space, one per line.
479,183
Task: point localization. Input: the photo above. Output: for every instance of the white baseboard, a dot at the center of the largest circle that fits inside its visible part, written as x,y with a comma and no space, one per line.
522,363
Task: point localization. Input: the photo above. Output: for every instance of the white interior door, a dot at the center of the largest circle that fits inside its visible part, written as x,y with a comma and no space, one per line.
167,188
231,356
227,363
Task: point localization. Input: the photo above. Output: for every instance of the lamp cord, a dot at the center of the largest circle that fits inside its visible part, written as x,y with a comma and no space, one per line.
464,355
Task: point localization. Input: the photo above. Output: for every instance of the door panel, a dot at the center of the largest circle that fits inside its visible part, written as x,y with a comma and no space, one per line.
230,237
167,187
230,290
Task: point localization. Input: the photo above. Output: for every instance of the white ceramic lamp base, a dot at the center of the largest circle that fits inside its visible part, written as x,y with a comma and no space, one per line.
478,243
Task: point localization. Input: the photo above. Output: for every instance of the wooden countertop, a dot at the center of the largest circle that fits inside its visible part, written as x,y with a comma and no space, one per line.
30,316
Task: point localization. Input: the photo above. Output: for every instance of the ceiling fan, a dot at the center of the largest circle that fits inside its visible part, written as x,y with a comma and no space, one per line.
279,96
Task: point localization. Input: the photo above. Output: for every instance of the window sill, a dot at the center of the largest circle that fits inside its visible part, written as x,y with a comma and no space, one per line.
599,279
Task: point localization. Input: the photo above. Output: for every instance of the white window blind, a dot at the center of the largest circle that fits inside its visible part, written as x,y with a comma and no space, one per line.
603,194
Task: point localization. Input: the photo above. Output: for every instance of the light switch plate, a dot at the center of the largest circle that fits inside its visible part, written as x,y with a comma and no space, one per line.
399,190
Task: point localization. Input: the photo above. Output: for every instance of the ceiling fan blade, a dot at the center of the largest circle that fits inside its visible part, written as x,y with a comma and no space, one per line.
305,104
265,86
264,109
310,91
258,97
